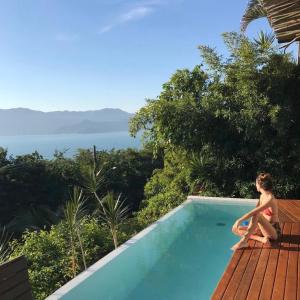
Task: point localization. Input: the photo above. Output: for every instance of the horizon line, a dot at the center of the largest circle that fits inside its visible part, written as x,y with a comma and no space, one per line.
66,110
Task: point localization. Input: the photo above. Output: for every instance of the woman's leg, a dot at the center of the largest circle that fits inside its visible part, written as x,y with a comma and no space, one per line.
242,230
266,228
247,234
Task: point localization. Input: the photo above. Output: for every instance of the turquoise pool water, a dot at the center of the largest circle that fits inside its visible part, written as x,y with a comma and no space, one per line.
183,257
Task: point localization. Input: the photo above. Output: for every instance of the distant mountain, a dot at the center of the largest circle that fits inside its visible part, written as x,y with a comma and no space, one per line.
21,121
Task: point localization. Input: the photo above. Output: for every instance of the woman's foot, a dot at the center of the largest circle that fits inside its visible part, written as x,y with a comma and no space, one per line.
239,245
265,240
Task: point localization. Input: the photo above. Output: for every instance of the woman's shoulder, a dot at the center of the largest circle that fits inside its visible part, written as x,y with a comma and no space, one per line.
267,198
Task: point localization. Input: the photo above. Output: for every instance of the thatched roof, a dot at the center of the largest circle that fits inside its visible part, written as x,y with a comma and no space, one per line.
284,17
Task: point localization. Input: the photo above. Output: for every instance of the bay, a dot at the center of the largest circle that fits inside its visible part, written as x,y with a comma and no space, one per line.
68,143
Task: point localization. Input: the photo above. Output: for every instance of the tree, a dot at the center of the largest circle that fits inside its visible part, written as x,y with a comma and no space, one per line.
265,41
254,11
113,212
48,253
74,213
167,188
33,190
233,113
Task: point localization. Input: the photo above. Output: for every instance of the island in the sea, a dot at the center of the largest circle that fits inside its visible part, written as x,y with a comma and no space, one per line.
21,121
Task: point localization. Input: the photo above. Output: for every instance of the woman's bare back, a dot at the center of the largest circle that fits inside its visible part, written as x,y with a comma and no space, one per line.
271,212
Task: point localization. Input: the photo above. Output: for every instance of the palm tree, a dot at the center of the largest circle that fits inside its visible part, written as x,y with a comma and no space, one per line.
94,181
264,41
113,212
4,245
255,10
74,212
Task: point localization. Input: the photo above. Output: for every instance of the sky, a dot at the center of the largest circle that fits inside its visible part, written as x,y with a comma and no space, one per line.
92,54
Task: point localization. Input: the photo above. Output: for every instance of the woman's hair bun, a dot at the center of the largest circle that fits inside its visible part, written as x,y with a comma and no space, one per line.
265,181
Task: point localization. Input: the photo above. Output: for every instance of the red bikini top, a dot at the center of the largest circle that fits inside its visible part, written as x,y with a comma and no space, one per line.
268,211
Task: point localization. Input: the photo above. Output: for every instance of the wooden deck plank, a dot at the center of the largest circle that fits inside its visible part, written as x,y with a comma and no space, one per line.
294,203
298,277
289,210
221,287
280,277
268,280
295,209
286,216
237,276
258,277
292,268
245,283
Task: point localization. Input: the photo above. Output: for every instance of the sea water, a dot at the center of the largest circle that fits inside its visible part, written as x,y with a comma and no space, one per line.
46,145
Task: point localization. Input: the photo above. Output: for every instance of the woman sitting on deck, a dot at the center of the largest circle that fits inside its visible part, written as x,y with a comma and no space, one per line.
264,224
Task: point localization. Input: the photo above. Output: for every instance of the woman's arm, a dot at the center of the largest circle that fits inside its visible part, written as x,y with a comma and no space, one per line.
253,212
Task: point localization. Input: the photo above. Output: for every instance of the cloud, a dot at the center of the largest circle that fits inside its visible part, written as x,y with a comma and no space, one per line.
66,37
106,28
137,12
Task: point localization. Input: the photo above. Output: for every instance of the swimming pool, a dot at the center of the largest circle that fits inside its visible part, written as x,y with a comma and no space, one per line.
181,256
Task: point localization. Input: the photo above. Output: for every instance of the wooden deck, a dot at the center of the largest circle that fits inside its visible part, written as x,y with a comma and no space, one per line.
14,281
289,210
266,273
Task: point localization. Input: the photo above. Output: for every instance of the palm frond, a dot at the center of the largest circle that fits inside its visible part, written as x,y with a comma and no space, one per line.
94,180
75,208
113,211
254,11
264,41
74,212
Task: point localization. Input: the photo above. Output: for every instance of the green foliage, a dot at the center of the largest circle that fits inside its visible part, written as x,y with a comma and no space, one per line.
33,190
232,119
74,213
180,98
167,188
122,171
113,213
265,41
48,254
159,205
30,187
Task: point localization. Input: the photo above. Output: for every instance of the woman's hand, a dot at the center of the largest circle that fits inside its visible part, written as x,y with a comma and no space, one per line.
236,225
